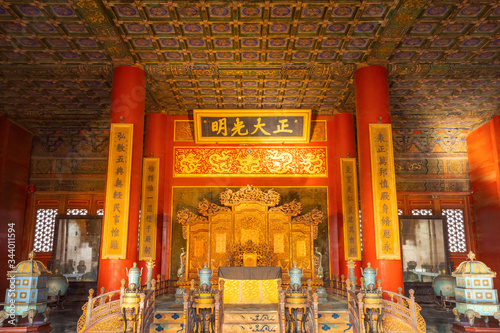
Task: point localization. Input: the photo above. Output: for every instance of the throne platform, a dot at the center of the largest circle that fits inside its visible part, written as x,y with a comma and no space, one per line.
169,317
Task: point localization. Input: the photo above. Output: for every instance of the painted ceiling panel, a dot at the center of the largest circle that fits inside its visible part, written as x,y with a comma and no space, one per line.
56,57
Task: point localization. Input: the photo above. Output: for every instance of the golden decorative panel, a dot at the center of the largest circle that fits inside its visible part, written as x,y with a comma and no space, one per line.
183,130
302,242
197,248
385,210
279,238
350,210
220,243
318,128
250,161
249,194
252,126
149,208
250,229
250,225
114,244
279,243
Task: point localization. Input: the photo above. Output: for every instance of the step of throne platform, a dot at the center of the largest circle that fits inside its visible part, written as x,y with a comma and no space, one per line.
333,316
250,318
334,321
168,317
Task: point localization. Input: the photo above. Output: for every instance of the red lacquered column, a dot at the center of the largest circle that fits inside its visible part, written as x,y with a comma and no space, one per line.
345,146
334,211
127,106
372,106
155,146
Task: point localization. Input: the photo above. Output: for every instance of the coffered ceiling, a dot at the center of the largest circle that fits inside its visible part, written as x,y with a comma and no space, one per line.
57,56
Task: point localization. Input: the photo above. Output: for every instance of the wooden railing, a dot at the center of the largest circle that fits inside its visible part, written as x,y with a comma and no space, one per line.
219,307
337,285
104,312
403,308
189,310
100,310
401,314
312,305
354,310
147,308
163,285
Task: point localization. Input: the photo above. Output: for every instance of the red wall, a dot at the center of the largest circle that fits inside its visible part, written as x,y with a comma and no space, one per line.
483,149
170,181
15,152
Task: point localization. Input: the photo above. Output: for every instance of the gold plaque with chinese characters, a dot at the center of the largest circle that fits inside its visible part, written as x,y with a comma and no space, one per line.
117,204
252,126
385,209
149,208
350,210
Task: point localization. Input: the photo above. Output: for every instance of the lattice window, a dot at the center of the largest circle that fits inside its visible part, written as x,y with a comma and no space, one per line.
44,229
422,211
400,211
456,229
100,211
76,211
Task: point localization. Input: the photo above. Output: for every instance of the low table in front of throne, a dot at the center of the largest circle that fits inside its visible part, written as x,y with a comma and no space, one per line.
250,285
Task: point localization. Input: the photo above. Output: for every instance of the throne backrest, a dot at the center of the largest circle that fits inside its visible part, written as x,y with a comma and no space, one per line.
249,259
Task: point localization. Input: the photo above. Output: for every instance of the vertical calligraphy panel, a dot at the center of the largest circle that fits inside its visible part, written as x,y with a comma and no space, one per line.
385,210
350,209
116,209
149,208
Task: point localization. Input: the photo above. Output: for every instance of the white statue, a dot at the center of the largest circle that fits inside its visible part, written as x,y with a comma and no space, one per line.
320,266
182,270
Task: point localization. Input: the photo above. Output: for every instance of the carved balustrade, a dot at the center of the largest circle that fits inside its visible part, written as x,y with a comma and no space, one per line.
400,313
100,311
103,313
164,285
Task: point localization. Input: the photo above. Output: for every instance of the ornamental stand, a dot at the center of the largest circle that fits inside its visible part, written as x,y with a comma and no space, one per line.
205,303
372,298
373,309
296,310
26,299
299,305
475,297
131,298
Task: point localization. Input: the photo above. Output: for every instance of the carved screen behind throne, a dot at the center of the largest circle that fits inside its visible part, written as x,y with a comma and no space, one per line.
250,223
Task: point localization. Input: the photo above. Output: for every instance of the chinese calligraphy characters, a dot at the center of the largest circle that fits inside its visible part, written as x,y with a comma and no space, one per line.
352,246
384,192
149,209
252,126
117,189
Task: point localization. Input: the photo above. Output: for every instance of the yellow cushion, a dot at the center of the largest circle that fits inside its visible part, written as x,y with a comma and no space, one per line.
250,291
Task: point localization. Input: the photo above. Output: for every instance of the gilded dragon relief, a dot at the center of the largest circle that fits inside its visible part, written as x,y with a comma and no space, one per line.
250,162
250,223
